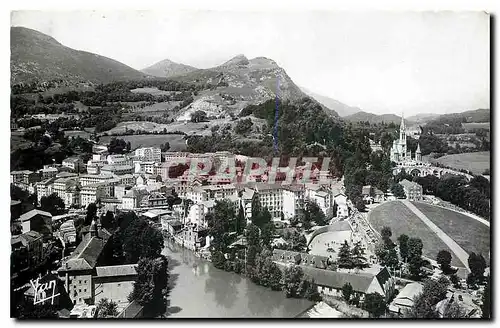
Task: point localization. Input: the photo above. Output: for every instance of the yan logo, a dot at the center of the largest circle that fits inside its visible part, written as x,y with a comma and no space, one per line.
44,292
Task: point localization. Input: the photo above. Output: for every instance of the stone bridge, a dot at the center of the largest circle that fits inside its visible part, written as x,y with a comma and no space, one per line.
425,169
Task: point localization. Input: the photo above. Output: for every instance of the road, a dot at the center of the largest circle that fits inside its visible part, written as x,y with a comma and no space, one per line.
461,254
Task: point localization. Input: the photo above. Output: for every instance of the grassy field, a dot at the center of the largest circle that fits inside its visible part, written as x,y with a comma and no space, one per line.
177,142
402,220
471,235
153,91
476,162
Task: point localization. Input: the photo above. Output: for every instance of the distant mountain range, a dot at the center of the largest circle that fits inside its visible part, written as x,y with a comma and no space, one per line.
335,105
167,68
374,118
233,85
38,57
481,115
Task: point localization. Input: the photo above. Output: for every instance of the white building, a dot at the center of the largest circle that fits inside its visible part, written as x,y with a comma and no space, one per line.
117,169
73,163
293,200
148,154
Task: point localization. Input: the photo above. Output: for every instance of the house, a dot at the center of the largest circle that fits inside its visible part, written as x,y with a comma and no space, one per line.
412,190
133,198
78,269
374,279
340,200
27,250
39,221
193,236
404,300
157,214
74,163
378,195
67,233
86,179
114,282
270,196
172,226
24,178
367,193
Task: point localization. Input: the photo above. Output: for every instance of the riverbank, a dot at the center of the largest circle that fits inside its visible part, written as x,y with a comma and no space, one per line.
199,290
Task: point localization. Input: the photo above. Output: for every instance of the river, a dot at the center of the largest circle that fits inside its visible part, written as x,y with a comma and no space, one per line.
199,290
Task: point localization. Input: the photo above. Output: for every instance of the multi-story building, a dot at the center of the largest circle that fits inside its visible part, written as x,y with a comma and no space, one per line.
117,169
29,243
293,200
67,190
48,172
146,167
148,154
271,197
74,163
87,179
23,178
133,198
44,188
91,193
412,190
127,179
119,159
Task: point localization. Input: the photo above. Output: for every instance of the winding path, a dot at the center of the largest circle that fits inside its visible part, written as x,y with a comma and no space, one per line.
461,254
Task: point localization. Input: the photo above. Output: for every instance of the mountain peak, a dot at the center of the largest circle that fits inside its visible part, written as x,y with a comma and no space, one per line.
168,68
237,60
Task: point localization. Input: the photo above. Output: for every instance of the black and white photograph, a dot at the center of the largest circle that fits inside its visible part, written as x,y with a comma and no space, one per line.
180,164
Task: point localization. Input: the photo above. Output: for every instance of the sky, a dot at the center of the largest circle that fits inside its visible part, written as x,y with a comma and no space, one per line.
382,62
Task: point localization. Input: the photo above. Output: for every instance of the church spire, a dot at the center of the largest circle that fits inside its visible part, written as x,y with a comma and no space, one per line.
418,148
402,126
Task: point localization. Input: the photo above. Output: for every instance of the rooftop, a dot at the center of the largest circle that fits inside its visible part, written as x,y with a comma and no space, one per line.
29,215
117,270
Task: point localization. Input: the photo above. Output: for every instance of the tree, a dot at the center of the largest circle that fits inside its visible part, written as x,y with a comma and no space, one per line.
241,222
358,256
347,291
415,246
253,245
275,277
344,259
424,304
118,146
267,234
375,304
477,265
52,204
444,260
198,116
398,191
486,300
165,147
454,311
263,217
151,286
292,279
219,225
386,233
107,308
137,239
108,220
91,213
403,246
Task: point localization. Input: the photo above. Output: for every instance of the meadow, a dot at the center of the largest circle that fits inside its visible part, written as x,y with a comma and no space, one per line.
476,162
402,220
471,235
